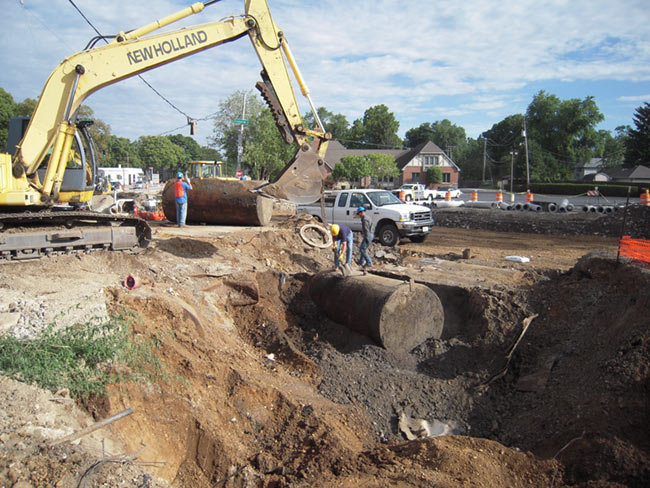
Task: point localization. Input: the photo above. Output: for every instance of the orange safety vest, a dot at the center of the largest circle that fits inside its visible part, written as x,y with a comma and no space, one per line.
179,191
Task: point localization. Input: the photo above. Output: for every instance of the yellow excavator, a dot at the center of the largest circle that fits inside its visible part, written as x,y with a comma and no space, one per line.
39,173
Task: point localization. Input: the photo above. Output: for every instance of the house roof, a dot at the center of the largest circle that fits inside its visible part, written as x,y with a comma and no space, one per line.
621,173
336,150
592,163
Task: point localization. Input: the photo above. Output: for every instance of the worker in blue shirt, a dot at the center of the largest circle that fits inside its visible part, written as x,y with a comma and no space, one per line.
342,236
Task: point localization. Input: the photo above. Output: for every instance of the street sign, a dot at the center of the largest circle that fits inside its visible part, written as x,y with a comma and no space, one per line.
241,121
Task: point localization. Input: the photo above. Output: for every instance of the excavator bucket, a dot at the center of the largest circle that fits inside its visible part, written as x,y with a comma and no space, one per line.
301,180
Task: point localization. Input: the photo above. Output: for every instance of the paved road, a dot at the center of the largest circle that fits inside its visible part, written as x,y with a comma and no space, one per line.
578,201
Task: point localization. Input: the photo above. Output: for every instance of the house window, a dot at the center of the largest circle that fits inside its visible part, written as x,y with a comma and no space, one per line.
436,160
415,178
446,178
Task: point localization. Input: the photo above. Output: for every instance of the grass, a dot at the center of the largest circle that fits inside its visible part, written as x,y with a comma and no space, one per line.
82,358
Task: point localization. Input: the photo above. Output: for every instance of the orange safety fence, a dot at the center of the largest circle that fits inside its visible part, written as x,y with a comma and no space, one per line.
638,249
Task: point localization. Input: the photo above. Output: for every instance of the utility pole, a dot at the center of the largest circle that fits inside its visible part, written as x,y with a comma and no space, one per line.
240,139
512,173
484,155
527,165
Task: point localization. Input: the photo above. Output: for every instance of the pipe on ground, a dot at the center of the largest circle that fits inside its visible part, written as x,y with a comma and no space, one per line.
533,207
552,207
518,206
397,315
219,201
480,204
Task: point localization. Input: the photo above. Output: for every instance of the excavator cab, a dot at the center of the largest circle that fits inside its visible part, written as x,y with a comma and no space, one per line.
79,178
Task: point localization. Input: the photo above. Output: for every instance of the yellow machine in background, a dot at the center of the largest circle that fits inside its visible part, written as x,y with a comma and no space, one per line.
36,174
207,169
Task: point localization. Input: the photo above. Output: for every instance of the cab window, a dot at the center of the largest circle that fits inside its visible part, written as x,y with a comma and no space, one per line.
359,200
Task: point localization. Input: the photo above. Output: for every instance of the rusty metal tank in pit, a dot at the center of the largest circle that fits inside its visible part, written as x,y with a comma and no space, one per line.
397,315
221,201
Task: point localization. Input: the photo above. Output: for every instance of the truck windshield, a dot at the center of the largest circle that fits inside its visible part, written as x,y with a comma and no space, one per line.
381,198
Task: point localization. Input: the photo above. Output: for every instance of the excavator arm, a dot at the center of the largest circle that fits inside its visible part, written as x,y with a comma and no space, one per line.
52,127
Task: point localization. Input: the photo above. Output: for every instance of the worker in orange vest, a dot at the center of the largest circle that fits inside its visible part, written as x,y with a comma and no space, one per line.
180,193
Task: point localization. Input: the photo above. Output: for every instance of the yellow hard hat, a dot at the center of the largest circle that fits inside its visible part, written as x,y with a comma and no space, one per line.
335,229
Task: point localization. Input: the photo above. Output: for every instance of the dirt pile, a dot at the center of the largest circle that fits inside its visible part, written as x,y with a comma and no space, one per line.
261,389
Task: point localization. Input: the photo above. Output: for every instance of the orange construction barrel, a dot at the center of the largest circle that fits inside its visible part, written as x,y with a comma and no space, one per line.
645,198
402,195
448,196
499,197
529,197
474,196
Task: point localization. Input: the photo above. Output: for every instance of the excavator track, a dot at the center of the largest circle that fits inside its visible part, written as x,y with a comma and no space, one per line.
31,235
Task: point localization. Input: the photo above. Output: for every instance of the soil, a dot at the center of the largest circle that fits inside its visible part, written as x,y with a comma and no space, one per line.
541,376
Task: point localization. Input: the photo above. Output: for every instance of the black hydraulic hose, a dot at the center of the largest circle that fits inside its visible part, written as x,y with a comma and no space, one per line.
210,2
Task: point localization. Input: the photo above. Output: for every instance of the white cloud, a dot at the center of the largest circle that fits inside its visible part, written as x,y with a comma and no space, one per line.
425,60
634,98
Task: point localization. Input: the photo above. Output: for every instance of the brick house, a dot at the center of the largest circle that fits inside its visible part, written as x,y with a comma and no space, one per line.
412,163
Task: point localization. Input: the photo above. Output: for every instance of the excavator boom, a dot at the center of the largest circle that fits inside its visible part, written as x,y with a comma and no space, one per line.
52,126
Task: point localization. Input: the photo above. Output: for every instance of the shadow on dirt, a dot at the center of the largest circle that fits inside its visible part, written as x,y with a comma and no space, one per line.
187,248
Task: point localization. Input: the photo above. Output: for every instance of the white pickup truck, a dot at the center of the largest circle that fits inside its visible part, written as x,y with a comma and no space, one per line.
415,191
391,218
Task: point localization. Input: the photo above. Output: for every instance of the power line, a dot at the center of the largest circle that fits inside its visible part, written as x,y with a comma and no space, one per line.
189,119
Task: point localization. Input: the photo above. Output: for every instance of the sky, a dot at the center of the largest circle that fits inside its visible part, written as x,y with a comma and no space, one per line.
473,62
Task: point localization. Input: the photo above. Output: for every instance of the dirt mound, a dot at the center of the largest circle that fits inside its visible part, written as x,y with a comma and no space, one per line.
637,221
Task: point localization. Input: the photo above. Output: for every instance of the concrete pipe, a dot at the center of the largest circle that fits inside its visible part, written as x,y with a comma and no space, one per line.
525,206
593,209
502,205
518,206
533,207
218,201
585,208
570,207
552,207
600,209
609,209
481,204
396,315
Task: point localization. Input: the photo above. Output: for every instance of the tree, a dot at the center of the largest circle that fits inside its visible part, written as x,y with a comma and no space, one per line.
266,152
356,167
613,147
378,128
191,147
434,175
637,148
25,108
7,105
160,152
382,166
564,128
226,133
418,135
100,132
121,151
335,124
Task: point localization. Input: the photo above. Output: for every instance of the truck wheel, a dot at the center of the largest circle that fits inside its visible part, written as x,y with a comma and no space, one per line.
418,238
430,198
388,235
408,198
